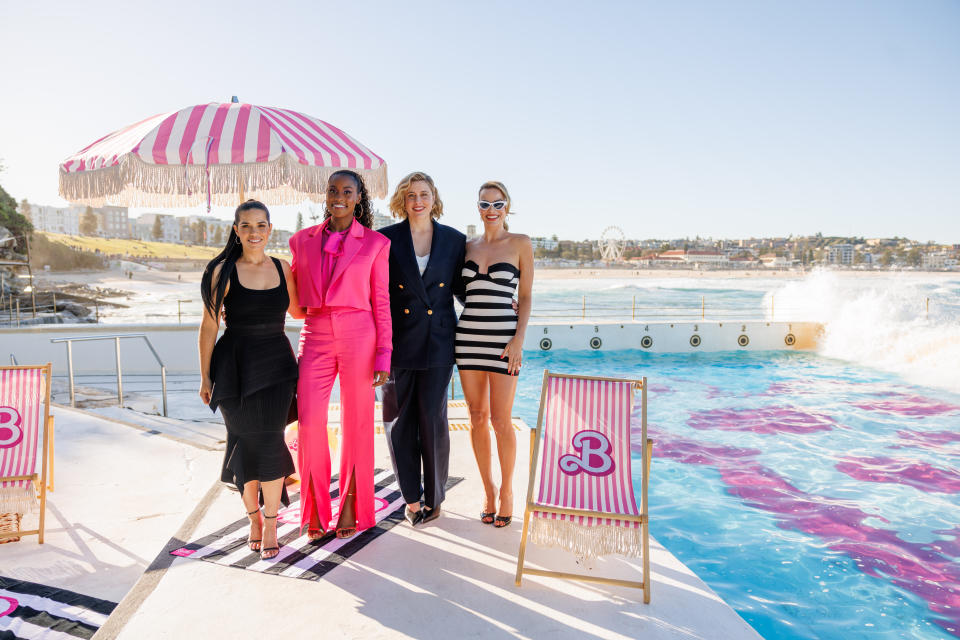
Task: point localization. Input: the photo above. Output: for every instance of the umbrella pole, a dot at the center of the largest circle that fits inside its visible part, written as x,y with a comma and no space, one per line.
242,198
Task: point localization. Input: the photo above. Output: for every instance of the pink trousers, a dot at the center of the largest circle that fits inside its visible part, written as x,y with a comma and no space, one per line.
336,342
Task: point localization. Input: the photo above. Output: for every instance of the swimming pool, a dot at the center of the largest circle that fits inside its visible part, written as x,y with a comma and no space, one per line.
817,497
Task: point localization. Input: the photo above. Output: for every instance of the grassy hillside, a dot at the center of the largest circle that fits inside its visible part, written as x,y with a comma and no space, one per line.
44,251
132,248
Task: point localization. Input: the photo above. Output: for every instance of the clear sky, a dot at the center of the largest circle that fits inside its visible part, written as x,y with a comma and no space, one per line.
668,119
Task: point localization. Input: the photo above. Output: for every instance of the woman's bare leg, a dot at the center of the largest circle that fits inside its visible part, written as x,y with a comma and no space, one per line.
251,504
502,391
475,392
347,520
271,505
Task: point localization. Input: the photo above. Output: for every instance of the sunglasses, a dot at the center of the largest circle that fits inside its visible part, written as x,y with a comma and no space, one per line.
498,205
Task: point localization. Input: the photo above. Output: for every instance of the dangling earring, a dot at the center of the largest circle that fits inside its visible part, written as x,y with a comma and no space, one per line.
237,240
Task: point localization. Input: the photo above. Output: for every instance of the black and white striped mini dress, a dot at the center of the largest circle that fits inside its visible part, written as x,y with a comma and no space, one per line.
488,320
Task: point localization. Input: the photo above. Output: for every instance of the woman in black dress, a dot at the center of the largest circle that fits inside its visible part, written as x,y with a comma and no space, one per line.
251,373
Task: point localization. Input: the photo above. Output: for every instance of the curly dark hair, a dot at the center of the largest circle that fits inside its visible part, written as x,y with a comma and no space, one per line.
364,209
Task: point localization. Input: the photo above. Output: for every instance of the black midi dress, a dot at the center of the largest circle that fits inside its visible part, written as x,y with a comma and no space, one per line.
254,375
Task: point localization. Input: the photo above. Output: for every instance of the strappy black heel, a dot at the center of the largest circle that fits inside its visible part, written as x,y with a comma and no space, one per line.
266,549
250,541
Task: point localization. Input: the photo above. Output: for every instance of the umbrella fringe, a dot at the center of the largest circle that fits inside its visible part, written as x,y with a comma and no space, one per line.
134,183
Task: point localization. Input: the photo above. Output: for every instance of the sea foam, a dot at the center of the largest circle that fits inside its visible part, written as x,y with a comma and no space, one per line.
882,321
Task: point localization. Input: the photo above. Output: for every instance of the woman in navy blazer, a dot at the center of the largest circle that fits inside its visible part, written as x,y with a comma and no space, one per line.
426,259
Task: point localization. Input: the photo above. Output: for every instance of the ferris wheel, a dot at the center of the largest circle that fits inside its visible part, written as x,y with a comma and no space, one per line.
612,243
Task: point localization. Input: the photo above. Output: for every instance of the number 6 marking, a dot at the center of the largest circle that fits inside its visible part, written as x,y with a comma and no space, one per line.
10,432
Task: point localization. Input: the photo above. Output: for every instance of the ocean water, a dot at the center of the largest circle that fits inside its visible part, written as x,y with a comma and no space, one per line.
819,498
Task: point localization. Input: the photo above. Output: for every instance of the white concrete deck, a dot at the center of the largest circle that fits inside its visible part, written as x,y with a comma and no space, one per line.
119,494
122,493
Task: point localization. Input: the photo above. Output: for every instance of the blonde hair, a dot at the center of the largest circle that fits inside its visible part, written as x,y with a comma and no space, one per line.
398,199
499,186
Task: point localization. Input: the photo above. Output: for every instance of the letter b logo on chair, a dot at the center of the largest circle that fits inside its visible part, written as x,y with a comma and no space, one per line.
10,432
594,458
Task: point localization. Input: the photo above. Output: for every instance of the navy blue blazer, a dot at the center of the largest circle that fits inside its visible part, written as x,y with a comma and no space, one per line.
424,321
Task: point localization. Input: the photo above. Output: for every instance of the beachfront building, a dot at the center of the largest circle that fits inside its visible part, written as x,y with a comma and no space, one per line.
743,262
706,257
840,254
218,231
169,227
938,260
55,219
380,221
774,261
112,222
545,243
694,257
280,239
202,229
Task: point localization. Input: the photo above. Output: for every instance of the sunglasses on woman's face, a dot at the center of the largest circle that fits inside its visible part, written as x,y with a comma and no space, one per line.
499,204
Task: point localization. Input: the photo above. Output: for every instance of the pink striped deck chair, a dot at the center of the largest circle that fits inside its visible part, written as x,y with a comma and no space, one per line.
25,425
580,496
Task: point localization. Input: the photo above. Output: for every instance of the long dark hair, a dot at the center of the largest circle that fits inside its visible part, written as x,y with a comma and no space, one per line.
213,299
364,209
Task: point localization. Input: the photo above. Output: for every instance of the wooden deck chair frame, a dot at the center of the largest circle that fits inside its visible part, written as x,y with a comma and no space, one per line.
41,481
536,438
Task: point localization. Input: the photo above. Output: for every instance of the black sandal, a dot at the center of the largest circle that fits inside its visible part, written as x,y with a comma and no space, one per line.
250,542
264,549
502,521
485,514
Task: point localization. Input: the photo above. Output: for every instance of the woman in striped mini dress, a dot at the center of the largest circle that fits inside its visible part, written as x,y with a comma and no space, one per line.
489,343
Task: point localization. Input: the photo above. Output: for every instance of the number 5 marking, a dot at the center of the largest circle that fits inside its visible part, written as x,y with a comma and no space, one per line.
10,432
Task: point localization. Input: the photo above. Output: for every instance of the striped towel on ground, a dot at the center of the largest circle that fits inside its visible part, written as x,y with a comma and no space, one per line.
32,611
298,557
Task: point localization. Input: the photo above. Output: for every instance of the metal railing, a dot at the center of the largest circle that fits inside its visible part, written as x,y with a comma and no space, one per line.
12,313
116,338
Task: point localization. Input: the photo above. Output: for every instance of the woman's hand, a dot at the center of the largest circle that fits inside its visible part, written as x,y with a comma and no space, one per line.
206,389
514,354
380,377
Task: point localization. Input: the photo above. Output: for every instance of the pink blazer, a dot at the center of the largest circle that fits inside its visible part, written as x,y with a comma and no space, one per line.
360,281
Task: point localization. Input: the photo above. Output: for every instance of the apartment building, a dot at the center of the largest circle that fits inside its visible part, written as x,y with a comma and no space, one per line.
840,254
380,221
112,222
938,260
55,219
169,227
544,243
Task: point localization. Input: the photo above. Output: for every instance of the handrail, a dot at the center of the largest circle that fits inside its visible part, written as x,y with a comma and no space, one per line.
116,337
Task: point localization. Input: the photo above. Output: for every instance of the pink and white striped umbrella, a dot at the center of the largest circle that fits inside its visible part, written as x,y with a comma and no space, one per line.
216,153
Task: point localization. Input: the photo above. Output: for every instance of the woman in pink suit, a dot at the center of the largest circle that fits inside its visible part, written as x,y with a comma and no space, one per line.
342,273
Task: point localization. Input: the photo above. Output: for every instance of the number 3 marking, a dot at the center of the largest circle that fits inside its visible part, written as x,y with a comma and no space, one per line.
10,432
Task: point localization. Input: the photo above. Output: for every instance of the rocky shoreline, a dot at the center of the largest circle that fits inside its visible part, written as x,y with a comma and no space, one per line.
26,300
